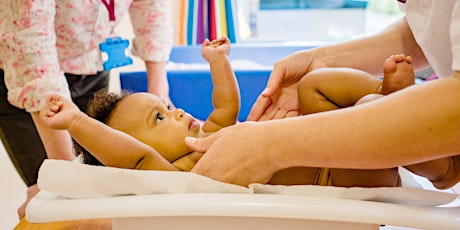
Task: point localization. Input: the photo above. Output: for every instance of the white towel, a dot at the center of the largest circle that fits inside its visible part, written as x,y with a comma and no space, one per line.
76,180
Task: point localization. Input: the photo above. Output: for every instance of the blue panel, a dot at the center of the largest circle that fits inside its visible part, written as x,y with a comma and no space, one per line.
304,4
134,81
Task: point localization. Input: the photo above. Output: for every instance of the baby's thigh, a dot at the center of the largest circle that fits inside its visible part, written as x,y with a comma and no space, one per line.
365,178
334,88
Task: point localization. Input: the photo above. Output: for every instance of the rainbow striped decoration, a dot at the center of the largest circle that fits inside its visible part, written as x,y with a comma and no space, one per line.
201,19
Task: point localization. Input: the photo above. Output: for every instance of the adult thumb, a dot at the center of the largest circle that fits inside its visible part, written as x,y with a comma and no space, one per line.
200,144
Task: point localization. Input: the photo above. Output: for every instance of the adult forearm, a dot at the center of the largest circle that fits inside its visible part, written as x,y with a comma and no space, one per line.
57,143
414,125
369,53
156,77
155,69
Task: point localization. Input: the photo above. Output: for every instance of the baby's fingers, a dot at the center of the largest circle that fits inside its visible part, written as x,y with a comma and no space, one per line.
53,98
49,113
206,42
55,106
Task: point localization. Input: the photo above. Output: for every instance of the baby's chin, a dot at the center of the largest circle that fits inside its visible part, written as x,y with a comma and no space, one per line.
200,134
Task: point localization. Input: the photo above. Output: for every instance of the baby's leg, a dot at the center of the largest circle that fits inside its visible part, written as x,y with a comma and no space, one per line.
296,176
365,178
334,88
337,177
398,74
443,173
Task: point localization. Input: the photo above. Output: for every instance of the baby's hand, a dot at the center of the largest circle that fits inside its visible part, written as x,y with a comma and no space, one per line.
212,49
59,112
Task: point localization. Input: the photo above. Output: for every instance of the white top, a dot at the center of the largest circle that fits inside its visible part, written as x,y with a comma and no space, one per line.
436,28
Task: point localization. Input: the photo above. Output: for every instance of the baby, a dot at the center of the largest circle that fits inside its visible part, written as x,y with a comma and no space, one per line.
139,131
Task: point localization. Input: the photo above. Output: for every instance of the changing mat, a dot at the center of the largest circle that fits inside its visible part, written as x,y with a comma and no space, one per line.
76,180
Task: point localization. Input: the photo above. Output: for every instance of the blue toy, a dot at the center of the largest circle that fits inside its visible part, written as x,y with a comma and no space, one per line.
115,48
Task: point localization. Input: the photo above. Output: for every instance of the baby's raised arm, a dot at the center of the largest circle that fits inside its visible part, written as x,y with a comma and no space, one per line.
225,95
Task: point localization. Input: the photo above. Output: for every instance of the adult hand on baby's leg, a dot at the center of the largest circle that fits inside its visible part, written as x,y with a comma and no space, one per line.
271,105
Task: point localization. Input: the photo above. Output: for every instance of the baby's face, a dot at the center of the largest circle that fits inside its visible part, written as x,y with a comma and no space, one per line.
148,119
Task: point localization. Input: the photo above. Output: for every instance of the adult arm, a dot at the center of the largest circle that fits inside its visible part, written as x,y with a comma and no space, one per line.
57,143
279,99
151,20
157,81
418,124
31,66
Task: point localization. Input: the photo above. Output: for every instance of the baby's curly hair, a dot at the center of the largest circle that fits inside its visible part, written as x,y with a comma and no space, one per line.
100,108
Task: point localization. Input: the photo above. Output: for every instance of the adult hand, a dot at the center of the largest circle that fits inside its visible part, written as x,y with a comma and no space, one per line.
31,192
279,99
226,157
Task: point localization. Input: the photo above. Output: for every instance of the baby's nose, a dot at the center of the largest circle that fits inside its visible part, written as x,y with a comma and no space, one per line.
179,114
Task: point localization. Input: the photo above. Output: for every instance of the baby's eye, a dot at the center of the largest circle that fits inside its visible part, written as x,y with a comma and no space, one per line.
159,118
169,107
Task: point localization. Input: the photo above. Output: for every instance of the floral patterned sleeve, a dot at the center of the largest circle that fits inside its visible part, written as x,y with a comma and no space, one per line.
153,30
28,50
455,36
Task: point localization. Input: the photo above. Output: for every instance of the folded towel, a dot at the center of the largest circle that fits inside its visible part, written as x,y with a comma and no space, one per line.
76,180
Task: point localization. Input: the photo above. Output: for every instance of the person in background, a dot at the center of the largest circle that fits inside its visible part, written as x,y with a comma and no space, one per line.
52,47
414,127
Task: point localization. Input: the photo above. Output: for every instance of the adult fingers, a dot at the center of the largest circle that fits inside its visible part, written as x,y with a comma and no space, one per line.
264,100
292,114
259,108
269,113
280,114
201,144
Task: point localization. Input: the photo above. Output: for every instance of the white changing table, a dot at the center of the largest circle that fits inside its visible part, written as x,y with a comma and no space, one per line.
240,211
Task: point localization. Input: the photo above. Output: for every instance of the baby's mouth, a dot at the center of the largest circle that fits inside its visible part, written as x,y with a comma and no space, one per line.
193,124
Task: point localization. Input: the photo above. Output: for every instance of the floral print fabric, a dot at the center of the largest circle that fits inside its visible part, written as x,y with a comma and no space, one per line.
42,39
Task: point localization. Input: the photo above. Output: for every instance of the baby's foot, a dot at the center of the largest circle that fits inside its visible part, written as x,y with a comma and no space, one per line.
398,73
452,176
